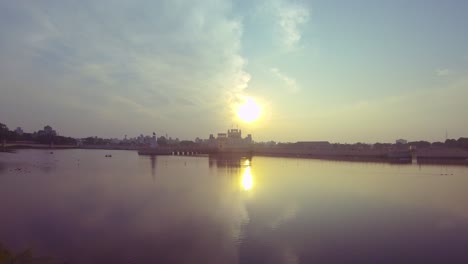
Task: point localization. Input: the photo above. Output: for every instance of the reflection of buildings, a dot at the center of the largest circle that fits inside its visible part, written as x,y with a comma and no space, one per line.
153,167
239,166
223,161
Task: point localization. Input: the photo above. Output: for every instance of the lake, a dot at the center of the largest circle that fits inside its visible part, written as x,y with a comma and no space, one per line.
78,206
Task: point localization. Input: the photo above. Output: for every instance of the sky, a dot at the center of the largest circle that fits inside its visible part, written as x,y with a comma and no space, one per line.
343,71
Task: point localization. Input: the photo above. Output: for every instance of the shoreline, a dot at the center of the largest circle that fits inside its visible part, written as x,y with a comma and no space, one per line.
10,146
424,156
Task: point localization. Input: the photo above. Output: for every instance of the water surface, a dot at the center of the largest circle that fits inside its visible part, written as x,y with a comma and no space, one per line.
80,207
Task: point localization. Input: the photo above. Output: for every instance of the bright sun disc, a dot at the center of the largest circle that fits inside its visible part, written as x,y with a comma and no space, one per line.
249,111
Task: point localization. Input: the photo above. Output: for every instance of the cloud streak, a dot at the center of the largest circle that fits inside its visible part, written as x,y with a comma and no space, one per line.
289,83
443,72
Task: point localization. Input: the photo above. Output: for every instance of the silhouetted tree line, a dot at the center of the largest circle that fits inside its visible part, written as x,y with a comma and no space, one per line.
449,143
96,141
23,257
162,141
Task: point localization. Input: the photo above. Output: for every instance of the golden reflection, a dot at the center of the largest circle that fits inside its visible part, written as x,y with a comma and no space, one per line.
247,179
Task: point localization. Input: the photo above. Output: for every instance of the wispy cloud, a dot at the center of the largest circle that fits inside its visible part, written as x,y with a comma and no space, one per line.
290,18
443,72
289,83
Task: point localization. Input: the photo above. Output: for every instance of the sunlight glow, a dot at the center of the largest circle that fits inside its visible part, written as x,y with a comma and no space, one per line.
247,179
249,111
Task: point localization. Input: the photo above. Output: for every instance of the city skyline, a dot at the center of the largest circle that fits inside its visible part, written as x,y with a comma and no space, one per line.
34,135
367,71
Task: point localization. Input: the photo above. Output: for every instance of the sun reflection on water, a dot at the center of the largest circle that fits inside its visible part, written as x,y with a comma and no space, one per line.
247,179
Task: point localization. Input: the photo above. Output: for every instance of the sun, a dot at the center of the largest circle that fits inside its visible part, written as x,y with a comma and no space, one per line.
249,111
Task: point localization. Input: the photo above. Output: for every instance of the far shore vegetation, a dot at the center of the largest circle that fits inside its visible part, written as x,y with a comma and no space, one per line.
23,257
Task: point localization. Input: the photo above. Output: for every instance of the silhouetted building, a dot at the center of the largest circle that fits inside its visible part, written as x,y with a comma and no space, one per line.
221,140
234,133
154,142
248,139
233,138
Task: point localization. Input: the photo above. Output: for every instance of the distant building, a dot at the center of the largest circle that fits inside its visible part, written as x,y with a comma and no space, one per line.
154,142
401,141
232,138
234,133
248,139
221,140
211,141
141,139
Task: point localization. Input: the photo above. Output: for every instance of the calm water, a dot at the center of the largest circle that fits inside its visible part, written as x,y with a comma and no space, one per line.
80,207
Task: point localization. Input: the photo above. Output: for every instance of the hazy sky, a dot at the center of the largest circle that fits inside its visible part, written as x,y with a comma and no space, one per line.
343,71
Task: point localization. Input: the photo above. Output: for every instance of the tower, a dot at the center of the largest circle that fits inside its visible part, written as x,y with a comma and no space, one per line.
154,142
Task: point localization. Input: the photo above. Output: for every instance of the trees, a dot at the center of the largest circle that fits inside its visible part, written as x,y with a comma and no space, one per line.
463,142
162,141
3,134
3,130
95,141
419,144
187,143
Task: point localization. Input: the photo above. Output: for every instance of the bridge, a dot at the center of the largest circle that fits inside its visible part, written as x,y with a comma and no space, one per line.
195,151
